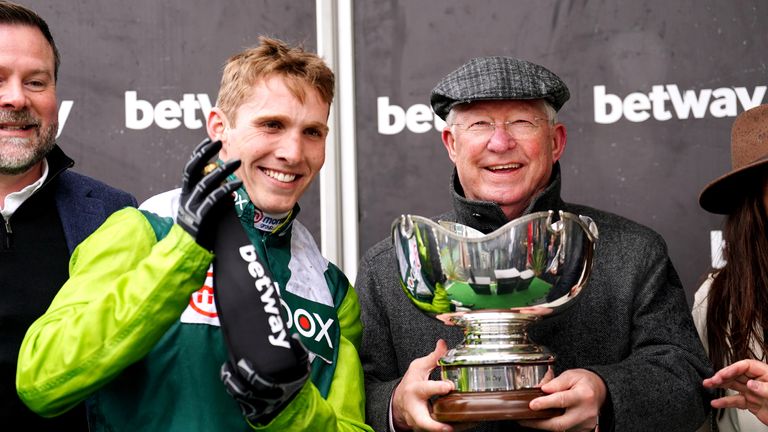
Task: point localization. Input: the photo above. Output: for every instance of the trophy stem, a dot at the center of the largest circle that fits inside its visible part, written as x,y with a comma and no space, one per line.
496,327
496,371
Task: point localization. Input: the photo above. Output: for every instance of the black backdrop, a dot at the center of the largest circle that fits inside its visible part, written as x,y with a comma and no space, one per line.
655,86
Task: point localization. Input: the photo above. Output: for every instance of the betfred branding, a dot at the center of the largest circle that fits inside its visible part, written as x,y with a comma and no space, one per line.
418,118
191,111
202,307
665,102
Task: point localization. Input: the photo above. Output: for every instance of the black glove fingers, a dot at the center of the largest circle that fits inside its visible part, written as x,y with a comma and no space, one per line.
240,391
225,190
228,168
212,192
188,218
214,200
203,153
212,180
235,384
202,145
193,161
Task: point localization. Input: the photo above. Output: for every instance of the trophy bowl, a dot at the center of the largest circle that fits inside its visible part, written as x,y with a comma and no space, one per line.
494,286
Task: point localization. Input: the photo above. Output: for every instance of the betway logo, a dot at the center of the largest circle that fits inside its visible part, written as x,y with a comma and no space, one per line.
667,101
191,111
418,118
269,297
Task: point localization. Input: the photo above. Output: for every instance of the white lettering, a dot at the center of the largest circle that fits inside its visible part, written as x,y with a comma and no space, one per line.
279,340
658,98
262,283
636,106
724,104
689,102
205,107
756,99
64,109
323,329
132,108
248,253
639,107
313,323
240,201
255,269
269,302
188,106
387,111
167,114
602,102
275,323
418,118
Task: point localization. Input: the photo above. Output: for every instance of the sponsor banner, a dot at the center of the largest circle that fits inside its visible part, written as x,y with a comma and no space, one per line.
190,111
662,103
654,91
666,102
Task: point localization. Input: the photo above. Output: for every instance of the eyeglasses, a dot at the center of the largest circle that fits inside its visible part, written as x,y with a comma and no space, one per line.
517,129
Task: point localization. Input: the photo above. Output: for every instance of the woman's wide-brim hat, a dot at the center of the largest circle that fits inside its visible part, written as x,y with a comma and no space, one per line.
749,153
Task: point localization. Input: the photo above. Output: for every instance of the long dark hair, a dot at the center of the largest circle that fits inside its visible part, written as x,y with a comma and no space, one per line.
737,306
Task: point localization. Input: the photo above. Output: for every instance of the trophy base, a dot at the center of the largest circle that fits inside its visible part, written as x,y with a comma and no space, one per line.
471,407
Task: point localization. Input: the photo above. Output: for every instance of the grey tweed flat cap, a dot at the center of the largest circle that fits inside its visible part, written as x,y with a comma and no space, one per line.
497,78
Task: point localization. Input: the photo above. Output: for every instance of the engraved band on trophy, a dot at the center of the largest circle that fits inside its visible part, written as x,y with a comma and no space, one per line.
494,286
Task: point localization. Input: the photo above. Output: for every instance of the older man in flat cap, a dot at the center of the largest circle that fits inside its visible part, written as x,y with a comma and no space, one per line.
628,356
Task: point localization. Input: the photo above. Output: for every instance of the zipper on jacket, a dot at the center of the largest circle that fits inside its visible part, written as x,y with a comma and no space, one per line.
8,234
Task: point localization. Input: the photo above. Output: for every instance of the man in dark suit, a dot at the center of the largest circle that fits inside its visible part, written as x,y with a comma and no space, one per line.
46,210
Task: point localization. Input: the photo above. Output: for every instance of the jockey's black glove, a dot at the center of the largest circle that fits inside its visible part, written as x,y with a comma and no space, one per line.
204,195
261,397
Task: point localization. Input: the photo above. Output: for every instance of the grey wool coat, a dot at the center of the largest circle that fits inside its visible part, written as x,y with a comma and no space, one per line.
631,325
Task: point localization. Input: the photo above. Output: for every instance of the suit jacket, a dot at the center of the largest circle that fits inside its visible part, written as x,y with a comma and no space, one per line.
84,203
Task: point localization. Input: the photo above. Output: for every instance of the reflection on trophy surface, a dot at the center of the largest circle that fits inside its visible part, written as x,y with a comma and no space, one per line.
494,286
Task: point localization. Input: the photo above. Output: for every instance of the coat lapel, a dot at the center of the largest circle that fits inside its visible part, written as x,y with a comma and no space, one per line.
79,212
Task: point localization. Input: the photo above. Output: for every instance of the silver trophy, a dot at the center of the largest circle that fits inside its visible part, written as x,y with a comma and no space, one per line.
494,285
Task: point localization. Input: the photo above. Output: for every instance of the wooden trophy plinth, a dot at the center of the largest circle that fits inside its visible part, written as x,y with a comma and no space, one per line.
471,407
